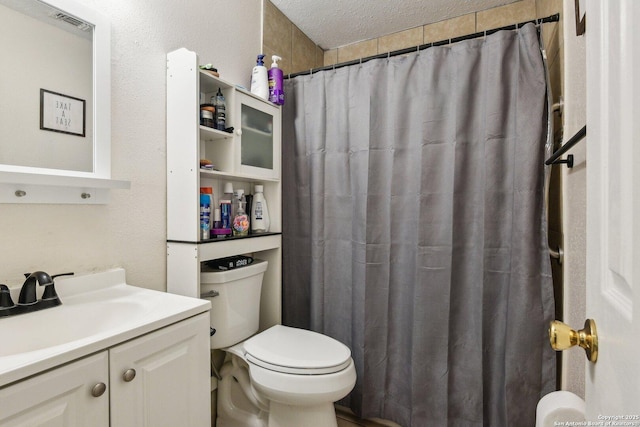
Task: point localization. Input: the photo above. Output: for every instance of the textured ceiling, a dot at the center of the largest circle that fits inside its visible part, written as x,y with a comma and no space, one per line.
334,23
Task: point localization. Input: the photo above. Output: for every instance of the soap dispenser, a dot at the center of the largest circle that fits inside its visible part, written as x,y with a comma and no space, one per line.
241,219
259,79
276,82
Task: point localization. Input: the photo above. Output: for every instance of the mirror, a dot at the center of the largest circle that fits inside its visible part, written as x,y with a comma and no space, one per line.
55,83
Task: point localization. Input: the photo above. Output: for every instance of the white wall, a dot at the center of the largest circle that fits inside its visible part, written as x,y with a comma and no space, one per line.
574,198
131,230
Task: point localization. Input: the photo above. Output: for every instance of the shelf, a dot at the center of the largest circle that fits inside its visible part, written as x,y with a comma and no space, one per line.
213,249
210,83
17,187
211,134
234,176
229,238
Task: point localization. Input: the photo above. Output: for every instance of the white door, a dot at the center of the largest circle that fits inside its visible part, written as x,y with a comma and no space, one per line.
613,208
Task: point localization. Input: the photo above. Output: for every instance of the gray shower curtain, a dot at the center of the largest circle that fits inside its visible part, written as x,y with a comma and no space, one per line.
414,229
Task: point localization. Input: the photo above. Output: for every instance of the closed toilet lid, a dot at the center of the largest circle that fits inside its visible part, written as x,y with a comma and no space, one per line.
297,351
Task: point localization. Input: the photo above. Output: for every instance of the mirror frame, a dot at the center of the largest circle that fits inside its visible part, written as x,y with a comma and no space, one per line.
101,95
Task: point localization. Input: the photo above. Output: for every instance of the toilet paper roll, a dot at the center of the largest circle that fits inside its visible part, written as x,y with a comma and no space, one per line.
559,406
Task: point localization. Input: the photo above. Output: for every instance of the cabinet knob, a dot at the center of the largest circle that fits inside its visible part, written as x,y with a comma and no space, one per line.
129,375
98,389
238,132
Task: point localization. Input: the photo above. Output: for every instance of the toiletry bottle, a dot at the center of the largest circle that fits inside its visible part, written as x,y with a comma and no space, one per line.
221,110
206,199
228,195
276,83
259,79
259,212
225,214
248,203
207,115
240,220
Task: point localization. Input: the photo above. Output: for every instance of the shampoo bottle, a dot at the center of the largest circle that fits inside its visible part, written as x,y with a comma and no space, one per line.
259,80
276,90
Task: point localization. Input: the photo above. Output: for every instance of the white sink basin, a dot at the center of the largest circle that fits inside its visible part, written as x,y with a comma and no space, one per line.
98,311
65,323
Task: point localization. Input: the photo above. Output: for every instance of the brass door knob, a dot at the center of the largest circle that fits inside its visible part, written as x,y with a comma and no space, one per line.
562,337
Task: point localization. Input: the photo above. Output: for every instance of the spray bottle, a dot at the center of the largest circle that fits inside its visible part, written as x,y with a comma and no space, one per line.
276,90
259,80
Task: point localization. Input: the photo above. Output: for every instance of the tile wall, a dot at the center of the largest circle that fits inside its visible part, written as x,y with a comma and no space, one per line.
521,11
281,37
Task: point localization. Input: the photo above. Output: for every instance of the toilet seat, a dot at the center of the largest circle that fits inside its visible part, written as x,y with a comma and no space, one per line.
297,351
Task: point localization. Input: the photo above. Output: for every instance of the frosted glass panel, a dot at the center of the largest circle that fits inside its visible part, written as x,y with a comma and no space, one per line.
257,138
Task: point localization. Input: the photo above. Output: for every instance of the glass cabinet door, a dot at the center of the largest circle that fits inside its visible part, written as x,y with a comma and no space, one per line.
257,138
259,153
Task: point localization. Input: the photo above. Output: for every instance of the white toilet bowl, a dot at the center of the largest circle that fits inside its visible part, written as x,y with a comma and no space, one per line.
289,377
283,377
559,407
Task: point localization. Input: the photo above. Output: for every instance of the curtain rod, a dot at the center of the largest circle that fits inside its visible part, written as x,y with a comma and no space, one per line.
537,22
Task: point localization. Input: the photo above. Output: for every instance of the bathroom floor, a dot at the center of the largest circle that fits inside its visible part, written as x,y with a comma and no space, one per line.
346,418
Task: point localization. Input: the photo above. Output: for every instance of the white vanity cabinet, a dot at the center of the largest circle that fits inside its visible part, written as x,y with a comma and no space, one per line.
60,397
246,156
159,379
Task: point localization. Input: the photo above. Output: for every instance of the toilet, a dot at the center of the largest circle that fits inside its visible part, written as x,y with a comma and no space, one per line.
282,376
559,408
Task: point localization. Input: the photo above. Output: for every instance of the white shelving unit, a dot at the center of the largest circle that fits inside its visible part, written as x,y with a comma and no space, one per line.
245,156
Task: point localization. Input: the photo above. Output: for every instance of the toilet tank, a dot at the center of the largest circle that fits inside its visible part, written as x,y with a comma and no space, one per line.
235,312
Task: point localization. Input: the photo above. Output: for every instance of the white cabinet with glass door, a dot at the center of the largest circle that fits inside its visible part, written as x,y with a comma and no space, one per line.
245,155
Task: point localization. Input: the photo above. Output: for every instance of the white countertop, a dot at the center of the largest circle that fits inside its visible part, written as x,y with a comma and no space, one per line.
98,311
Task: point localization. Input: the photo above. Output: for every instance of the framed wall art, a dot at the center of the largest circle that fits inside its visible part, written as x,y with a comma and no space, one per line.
62,113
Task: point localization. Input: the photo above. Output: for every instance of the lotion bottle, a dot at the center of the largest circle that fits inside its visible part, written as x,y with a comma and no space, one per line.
276,82
259,212
259,79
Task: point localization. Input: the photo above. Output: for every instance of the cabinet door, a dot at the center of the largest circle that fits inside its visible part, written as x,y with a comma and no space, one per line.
61,397
260,132
162,379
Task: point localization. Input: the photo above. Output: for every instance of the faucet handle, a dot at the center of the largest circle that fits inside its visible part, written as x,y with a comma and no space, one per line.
49,293
5,297
62,274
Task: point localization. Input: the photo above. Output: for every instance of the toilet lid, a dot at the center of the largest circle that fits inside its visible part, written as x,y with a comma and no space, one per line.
297,351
